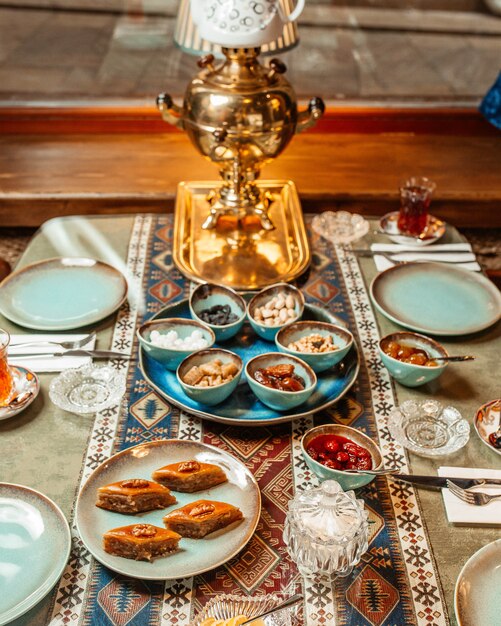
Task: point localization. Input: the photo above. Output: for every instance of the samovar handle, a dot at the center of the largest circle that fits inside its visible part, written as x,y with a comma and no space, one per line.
171,113
307,118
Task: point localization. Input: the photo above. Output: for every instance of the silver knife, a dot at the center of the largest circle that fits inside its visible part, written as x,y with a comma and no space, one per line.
95,354
421,250
439,482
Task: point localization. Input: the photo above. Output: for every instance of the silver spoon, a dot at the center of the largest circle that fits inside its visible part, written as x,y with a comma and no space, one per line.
455,359
20,399
283,605
377,472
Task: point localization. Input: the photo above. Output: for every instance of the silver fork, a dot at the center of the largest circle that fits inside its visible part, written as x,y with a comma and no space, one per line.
477,498
391,258
66,345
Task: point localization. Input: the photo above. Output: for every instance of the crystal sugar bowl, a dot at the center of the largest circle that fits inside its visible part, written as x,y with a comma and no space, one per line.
326,530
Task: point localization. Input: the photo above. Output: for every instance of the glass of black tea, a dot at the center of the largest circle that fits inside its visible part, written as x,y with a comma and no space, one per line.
415,200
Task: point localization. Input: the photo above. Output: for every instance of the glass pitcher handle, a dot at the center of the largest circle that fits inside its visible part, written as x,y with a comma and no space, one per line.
284,5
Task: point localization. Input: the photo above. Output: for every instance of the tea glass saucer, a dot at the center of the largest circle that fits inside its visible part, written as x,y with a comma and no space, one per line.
427,428
87,389
487,421
26,388
434,231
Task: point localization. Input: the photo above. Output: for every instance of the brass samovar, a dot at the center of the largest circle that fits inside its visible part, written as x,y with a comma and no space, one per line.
240,115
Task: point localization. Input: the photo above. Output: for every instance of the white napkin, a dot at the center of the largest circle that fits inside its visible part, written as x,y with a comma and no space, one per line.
458,512
49,363
460,253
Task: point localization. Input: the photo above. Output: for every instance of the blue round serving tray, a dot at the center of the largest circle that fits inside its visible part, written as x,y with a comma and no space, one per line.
243,407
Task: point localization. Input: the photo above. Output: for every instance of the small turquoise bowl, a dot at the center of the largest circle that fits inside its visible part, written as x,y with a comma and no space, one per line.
275,398
318,361
408,374
170,357
206,296
345,479
209,395
260,299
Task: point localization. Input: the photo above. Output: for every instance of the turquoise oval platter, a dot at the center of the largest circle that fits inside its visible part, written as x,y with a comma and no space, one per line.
477,601
436,299
194,556
62,293
243,407
35,544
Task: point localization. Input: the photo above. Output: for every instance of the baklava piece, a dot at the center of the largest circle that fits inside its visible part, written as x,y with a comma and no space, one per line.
197,519
190,476
142,542
134,495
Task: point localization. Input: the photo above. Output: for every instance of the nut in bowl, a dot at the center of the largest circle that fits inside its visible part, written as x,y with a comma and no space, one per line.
274,307
210,376
320,344
169,341
408,357
220,308
331,449
280,381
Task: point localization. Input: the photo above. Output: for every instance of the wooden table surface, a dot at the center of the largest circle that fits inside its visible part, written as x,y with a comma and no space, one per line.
42,176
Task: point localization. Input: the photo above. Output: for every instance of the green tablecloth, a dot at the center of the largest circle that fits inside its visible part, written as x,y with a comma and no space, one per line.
43,447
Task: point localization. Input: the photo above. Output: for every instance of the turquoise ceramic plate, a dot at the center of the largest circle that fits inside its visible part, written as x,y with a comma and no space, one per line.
477,601
437,299
195,555
243,407
62,293
35,545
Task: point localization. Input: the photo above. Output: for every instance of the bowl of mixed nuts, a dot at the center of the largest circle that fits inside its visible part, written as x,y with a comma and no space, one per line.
274,307
320,344
210,376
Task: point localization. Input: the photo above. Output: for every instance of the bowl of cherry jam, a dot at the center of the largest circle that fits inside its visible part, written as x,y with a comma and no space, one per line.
409,357
331,449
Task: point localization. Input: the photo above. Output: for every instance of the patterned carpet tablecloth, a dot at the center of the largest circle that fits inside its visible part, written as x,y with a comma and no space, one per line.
395,584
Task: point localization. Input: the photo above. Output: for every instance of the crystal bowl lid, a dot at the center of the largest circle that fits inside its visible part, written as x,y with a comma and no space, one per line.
327,514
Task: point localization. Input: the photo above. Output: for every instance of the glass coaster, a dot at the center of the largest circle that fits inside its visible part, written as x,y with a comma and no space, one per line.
87,389
427,428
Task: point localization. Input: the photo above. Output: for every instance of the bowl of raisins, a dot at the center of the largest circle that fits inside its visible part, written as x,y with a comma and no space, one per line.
334,452
410,358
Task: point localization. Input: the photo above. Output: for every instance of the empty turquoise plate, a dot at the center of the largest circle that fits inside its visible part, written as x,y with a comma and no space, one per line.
35,546
62,293
437,299
477,601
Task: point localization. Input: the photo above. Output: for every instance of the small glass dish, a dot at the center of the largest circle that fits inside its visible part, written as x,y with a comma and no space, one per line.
340,227
427,428
228,606
87,389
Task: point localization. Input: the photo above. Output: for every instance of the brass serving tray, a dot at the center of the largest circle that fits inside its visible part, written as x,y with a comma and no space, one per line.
245,259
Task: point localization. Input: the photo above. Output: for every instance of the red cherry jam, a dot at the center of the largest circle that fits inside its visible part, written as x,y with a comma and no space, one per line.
339,453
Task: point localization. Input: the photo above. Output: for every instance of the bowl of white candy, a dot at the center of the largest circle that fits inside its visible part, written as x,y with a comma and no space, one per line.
171,340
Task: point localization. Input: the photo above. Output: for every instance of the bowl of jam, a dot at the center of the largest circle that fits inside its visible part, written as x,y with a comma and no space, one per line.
410,358
280,381
331,449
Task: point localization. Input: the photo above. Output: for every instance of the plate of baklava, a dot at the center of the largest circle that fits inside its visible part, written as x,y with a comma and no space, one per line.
168,509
